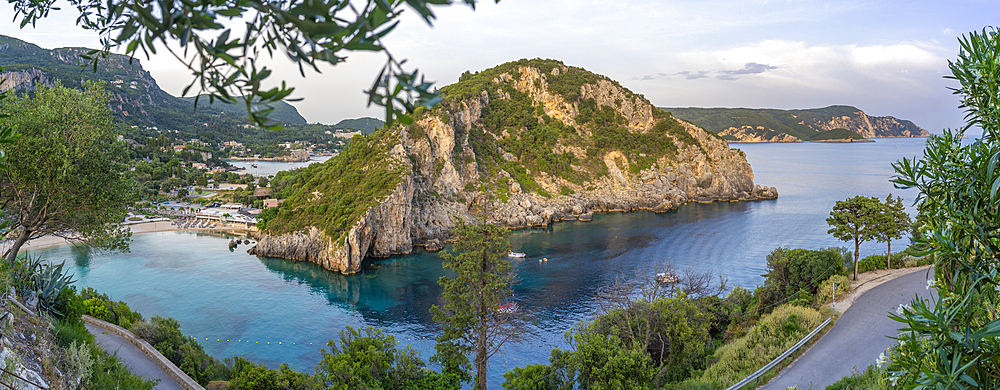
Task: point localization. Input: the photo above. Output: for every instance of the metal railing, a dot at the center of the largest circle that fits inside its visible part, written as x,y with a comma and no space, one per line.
777,360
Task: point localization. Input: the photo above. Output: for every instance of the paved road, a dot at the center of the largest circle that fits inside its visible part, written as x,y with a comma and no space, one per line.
857,339
133,357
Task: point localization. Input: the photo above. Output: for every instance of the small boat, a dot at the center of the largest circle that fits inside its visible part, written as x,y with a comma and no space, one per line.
508,308
667,278
515,254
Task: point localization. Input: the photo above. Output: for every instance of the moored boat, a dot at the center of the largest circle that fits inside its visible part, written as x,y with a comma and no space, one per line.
508,308
667,278
515,254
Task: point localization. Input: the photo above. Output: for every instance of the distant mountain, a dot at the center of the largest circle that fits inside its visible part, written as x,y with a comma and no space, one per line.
283,112
367,125
771,125
136,99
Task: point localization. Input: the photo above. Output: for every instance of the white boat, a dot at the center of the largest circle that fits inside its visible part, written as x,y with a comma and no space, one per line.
667,278
508,308
515,254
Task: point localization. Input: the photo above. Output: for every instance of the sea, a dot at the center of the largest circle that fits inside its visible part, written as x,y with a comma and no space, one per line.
269,168
272,310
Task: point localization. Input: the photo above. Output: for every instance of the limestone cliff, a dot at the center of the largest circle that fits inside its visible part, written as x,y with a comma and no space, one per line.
527,143
771,125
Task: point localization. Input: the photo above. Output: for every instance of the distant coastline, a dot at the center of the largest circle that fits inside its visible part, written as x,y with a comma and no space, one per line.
139,228
836,141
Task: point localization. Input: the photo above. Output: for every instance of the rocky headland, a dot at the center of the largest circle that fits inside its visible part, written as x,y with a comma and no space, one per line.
828,124
528,143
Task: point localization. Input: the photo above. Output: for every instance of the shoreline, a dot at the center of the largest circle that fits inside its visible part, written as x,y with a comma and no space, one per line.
139,228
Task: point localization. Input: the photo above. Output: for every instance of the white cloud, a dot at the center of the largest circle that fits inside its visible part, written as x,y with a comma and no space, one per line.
796,64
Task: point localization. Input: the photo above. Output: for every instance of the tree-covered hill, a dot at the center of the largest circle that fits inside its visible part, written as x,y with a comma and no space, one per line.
283,112
140,108
367,125
525,143
750,124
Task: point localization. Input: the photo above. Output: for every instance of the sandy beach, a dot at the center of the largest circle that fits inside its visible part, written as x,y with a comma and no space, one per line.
139,228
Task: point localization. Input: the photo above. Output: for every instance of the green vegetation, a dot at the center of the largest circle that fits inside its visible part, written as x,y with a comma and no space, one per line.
856,219
871,378
333,195
894,223
142,110
866,218
60,308
366,125
797,272
515,123
953,341
775,121
649,335
283,112
66,173
471,316
772,335
802,124
226,64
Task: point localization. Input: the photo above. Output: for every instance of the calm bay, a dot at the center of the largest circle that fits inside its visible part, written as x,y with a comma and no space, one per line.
273,310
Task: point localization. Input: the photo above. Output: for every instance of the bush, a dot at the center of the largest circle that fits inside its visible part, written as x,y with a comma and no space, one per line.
165,335
46,281
875,262
771,336
69,332
110,373
910,261
793,270
104,308
823,295
532,377
871,378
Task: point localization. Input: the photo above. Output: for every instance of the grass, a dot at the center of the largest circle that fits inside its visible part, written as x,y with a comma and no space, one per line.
770,337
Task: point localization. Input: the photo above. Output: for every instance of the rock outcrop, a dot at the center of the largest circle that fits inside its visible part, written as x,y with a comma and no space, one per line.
461,160
872,126
773,125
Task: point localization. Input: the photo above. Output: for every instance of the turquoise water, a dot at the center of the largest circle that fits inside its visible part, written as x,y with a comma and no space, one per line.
267,168
218,294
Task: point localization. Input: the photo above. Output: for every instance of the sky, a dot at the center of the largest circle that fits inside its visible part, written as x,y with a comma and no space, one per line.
884,57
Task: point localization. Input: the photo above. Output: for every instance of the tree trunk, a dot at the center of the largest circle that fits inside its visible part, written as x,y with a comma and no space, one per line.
481,358
21,239
888,255
857,246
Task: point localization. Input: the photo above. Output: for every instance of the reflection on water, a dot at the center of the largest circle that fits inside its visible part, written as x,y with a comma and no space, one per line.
219,294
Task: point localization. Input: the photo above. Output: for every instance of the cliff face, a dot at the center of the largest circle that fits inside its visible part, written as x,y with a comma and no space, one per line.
873,126
524,144
756,134
770,125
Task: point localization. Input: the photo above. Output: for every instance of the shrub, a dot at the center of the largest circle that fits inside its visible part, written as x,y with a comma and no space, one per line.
165,335
771,336
875,262
46,281
535,376
104,308
80,360
110,373
910,261
871,378
825,291
793,270
69,332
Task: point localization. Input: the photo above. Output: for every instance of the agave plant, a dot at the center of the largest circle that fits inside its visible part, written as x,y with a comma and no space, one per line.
46,281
